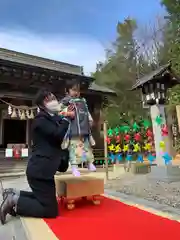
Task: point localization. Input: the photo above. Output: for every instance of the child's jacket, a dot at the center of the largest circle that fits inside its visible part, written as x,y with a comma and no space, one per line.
80,124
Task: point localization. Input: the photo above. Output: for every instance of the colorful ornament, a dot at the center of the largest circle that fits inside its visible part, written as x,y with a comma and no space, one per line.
159,120
140,158
129,157
136,148
151,158
135,127
164,130
149,133
167,158
110,132
162,145
124,128
127,137
108,140
147,147
146,124
117,148
119,157
116,131
111,147
117,138
112,157
126,148
137,137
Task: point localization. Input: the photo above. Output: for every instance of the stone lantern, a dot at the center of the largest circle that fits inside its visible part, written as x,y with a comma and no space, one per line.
154,88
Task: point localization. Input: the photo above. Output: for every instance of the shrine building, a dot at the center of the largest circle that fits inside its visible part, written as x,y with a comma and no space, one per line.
21,76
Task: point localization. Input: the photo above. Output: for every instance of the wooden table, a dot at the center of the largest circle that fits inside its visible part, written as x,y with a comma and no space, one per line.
69,189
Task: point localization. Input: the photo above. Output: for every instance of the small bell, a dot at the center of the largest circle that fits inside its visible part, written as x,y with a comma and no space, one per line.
22,116
14,114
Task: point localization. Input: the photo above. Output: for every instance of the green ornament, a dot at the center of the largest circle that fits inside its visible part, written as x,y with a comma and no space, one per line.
135,127
100,162
125,129
110,132
146,124
159,120
116,131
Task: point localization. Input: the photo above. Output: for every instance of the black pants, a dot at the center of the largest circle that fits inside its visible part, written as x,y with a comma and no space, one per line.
41,202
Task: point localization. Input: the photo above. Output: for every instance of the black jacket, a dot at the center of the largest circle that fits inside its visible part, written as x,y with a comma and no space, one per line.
47,156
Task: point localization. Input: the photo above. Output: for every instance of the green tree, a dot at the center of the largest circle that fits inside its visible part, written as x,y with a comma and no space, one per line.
173,38
120,72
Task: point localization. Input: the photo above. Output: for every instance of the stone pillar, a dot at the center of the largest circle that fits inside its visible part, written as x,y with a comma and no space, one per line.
155,111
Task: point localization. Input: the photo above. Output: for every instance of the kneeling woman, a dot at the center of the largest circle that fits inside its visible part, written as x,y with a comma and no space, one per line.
47,157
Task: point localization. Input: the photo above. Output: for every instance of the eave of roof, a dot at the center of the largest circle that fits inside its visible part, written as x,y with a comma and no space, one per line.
102,89
150,76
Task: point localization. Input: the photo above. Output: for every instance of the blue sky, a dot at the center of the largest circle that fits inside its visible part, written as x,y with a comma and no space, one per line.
76,31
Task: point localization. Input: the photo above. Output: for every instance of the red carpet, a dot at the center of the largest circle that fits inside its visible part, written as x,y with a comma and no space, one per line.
112,220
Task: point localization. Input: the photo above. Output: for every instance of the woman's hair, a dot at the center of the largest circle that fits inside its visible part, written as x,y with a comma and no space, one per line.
40,97
71,83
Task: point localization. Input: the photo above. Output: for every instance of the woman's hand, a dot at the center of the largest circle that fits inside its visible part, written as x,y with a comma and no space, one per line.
70,114
70,108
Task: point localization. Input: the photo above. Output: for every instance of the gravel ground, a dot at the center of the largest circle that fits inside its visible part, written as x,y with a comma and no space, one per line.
140,186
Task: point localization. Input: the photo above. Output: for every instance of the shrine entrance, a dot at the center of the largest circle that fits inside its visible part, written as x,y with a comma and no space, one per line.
14,132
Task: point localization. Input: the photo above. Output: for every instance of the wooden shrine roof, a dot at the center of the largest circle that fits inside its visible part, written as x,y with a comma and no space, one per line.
155,74
61,70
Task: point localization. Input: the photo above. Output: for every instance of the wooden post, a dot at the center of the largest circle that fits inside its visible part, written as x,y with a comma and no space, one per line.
178,116
105,149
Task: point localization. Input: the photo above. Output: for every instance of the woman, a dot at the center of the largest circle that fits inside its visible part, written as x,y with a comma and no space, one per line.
47,157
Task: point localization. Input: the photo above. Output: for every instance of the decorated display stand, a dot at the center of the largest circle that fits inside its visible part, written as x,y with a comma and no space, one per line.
131,144
154,89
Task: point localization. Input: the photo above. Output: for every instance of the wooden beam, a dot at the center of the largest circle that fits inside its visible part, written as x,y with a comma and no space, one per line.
21,95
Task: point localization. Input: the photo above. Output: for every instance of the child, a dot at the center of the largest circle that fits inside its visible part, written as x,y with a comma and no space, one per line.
79,138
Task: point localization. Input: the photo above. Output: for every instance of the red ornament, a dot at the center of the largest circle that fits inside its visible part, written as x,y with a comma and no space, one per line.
127,137
150,138
149,133
118,138
108,140
137,137
164,130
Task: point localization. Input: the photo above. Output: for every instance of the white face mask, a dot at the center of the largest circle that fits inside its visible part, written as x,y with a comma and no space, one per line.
53,106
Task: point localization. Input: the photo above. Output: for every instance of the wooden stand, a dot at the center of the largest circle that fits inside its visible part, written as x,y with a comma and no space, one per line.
69,189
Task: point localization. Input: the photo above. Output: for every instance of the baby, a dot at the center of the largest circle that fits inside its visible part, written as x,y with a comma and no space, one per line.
79,140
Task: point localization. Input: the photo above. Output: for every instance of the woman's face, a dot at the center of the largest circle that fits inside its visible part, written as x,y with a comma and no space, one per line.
49,98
